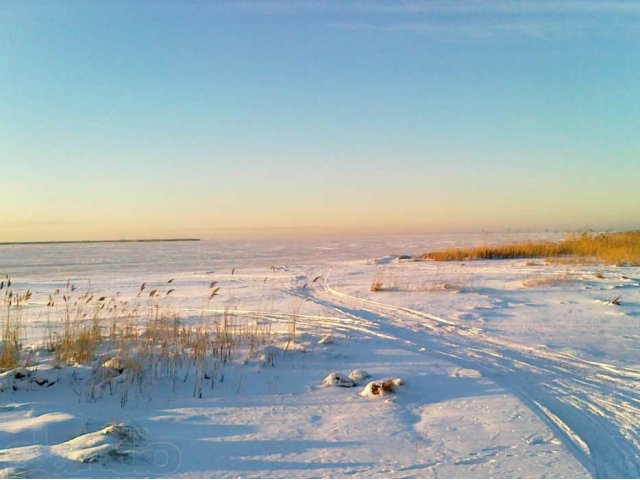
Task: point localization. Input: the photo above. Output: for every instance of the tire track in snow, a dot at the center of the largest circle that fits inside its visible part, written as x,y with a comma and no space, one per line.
346,323
594,407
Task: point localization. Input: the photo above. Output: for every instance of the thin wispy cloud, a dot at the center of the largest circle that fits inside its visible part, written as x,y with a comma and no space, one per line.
488,28
446,7
467,18
477,31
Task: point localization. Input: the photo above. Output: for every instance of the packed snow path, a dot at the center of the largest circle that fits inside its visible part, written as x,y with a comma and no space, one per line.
594,407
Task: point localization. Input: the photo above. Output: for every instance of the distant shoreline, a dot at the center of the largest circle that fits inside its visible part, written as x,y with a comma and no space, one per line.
140,240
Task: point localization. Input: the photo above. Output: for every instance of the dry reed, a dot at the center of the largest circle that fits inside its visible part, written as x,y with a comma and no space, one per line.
130,344
11,313
621,248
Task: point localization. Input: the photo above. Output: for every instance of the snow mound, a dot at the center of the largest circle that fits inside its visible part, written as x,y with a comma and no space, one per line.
269,355
115,441
294,346
359,375
335,379
118,442
465,373
393,259
385,260
381,387
114,364
42,381
21,377
326,340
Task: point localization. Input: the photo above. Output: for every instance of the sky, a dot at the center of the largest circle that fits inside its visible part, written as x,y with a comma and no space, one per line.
215,119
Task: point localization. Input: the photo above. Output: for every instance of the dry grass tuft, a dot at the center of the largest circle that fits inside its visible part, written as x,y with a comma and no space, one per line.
388,280
548,280
621,248
377,284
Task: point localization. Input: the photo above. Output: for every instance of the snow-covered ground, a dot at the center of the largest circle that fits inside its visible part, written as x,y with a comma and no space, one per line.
510,368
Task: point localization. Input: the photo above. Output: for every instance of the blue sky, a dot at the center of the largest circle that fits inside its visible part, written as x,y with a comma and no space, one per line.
200,118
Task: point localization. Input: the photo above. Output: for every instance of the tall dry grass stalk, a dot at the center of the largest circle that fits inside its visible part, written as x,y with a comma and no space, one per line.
292,329
622,248
11,316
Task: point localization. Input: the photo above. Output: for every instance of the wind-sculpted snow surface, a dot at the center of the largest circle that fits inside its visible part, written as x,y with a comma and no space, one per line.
594,407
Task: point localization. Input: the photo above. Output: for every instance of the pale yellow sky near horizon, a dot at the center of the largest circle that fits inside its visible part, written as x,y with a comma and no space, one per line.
266,219
118,199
